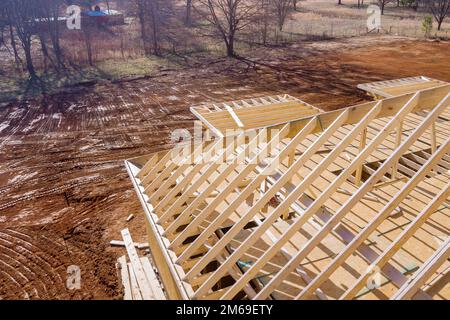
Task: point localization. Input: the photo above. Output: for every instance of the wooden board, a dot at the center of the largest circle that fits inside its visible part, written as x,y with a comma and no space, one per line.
137,269
125,278
152,279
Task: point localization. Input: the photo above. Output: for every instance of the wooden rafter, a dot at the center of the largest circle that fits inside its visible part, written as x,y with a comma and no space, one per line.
397,87
410,288
400,240
331,175
252,113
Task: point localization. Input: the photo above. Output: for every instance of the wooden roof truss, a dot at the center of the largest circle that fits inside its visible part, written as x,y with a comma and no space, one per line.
293,211
397,87
223,119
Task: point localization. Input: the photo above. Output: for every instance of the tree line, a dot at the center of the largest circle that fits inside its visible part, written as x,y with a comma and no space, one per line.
439,9
28,23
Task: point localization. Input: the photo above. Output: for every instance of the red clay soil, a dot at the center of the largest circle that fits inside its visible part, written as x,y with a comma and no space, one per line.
64,191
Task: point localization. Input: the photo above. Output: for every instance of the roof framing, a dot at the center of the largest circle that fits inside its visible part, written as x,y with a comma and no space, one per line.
397,87
286,211
224,119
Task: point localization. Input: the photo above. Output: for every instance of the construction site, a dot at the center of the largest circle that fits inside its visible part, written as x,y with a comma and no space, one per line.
312,171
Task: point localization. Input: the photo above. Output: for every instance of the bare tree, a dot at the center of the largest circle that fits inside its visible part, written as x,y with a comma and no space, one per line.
150,14
155,25
87,29
440,9
12,38
264,18
45,53
228,17
50,13
188,20
142,16
3,23
108,7
22,17
282,8
6,25
382,4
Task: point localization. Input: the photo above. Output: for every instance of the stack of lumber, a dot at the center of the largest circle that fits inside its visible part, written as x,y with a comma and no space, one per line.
138,277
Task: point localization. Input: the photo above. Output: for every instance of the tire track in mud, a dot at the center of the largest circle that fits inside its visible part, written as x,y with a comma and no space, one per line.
32,264
56,190
92,165
34,260
14,129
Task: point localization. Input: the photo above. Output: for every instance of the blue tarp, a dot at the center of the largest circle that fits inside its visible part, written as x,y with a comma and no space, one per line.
95,13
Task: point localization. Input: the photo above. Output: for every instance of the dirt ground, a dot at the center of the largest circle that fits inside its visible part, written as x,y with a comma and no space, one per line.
64,190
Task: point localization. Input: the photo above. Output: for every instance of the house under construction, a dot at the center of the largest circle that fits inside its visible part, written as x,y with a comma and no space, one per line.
285,201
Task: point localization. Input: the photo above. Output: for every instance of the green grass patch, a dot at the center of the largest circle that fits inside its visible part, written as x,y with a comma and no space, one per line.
17,86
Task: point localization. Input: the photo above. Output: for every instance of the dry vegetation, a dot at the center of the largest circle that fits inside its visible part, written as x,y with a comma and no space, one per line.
118,51
324,18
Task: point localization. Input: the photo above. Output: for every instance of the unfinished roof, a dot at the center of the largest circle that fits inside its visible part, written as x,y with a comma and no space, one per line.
398,87
310,209
252,113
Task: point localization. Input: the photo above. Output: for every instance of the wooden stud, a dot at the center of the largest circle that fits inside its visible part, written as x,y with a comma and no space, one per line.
152,279
398,141
433,138
362,145
380,217
138,271
251,213
429,267
136,293
125,278
389,252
